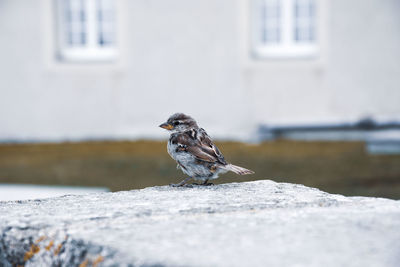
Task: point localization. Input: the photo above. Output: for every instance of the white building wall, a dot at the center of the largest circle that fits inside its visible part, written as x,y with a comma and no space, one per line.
193,57
364,77
356,75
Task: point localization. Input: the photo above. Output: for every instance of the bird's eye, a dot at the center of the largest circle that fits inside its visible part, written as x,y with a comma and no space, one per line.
176,123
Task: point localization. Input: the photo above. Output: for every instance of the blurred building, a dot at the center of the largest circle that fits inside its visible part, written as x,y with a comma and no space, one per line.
79,69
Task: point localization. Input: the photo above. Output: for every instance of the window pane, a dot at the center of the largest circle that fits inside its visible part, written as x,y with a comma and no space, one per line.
304,20
75,22
106,22
270,20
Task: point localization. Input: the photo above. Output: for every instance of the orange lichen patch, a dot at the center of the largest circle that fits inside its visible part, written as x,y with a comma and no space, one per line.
33,250
58,249
48,247
84,263
40,239
98,260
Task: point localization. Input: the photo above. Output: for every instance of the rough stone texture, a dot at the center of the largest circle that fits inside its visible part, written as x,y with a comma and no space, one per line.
260,223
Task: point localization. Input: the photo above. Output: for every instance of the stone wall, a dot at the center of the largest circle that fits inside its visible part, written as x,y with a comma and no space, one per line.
260,223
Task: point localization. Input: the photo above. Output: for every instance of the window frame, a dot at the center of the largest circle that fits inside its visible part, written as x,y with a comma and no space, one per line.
287,48
91,51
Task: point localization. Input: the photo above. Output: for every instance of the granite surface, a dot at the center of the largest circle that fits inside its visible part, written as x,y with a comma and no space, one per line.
261,223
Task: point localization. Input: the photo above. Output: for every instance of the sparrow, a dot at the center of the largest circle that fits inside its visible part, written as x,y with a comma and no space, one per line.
194,151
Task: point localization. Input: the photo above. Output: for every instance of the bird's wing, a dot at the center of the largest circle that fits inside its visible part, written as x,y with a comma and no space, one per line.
199,144
200,154
208,145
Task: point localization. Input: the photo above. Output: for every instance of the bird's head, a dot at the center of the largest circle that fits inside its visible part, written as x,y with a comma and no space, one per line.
179,122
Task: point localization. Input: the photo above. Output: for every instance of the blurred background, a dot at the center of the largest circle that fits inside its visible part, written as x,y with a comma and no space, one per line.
300,91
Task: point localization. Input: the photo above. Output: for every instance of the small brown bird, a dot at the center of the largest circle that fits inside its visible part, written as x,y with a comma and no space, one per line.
194,151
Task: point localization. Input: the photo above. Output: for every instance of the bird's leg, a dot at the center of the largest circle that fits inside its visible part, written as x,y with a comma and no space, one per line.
207,183
182,183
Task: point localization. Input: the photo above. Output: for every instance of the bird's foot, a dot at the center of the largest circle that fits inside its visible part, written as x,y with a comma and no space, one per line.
181,185
203,184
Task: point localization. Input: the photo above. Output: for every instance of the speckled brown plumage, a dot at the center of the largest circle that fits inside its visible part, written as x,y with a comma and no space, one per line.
194,151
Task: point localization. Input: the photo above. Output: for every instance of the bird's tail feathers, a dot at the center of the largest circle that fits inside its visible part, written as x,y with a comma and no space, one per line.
237,169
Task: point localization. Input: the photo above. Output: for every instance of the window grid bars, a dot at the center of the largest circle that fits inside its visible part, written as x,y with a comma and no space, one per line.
83,35
295,24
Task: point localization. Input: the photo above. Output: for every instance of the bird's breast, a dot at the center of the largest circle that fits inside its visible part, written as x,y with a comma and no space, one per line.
171,148
178,154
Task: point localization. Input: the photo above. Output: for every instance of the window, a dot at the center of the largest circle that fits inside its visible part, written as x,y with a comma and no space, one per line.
284,28
86,30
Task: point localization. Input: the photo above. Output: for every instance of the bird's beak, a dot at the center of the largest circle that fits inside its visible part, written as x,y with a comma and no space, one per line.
166,126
